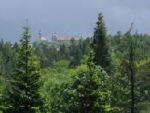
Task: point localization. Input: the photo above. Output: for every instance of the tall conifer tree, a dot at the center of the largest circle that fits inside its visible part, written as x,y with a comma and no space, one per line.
132,74
100,45
22,95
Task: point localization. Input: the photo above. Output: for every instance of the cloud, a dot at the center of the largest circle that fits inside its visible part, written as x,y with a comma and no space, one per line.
71,17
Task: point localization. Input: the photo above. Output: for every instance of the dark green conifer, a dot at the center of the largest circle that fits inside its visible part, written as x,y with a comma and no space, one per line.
22,95
100,45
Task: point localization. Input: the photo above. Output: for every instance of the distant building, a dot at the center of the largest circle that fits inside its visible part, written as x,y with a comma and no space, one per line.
42,38
57,38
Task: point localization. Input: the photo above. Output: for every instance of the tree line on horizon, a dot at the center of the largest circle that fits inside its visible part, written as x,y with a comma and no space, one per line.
101,74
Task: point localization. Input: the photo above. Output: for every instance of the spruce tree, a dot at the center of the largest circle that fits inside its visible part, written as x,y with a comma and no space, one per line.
21,93
131,67
132,74
100,45
87,94
90,91
125,89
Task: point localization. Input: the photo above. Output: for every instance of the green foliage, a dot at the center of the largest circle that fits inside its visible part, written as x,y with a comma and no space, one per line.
87,94
49,53
21,92
7,58
144,107
83,88
120,88
142,78
75,54
100,45
46,54
52,78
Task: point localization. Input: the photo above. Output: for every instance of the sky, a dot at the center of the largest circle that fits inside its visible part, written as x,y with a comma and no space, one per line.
71,17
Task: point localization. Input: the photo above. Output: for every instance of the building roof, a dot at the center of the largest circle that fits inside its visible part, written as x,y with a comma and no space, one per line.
66,38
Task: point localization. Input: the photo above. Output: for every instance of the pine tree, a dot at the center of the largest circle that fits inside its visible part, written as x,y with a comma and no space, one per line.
132,74
100,45
125,90
21,93
131,67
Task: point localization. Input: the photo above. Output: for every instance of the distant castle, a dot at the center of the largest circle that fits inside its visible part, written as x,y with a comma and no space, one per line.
57,38
42,38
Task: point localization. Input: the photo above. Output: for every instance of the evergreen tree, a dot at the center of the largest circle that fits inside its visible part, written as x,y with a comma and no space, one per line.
88,93
21,93
132,74
100,45
120,88
8,58
124,88
75,54
131,68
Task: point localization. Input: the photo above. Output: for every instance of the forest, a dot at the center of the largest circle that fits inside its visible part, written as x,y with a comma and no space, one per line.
100,74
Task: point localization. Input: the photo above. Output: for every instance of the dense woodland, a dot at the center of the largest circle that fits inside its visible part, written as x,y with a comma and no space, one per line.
99,74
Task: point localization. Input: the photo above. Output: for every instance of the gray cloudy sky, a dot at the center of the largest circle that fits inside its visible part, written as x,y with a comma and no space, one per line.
71,17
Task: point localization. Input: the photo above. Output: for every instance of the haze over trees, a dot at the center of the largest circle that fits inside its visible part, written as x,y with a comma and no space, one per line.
100,74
